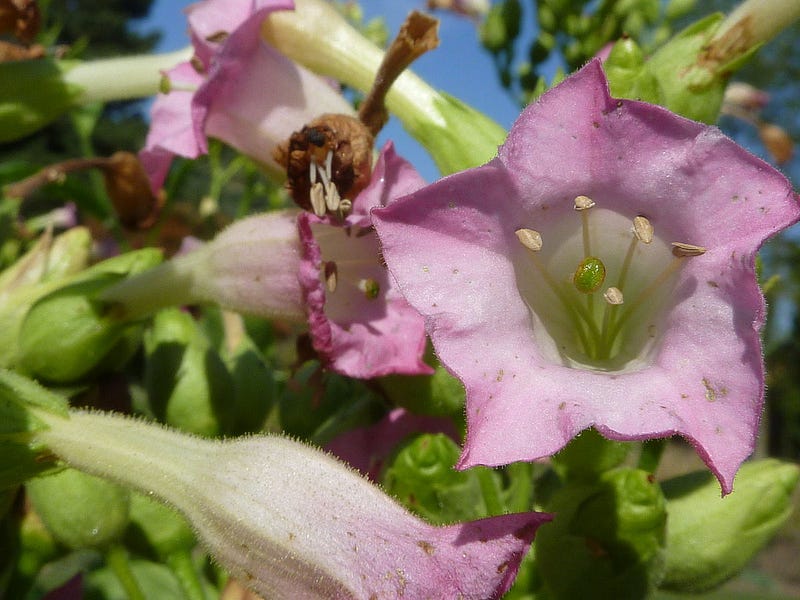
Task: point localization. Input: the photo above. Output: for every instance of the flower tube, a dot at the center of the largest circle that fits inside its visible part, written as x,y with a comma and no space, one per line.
292,522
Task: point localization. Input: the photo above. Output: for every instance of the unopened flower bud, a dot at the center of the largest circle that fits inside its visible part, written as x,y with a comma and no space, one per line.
709,538
187,383
68,333
80,510
619,520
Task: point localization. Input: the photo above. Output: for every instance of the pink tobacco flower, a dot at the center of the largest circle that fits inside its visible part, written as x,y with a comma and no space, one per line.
236,88
360,324
290,521
598,272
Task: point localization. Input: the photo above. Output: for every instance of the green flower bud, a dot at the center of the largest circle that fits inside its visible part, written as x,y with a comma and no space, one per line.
156,528
49,259
606,539
501,26
187,381
709,538
34,95
41,270
67,334
422,477
254,387
80,510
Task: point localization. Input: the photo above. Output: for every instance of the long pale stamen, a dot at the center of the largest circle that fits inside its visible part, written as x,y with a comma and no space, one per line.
613,297
532,240
681,252
582,205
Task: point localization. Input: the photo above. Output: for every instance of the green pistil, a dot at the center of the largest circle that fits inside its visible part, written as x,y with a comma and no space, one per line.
590,275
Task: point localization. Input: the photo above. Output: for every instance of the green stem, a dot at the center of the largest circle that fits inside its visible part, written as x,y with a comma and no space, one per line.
489,492
652,450
117,559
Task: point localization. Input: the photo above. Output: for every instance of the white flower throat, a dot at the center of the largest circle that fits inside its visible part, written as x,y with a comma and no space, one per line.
598,287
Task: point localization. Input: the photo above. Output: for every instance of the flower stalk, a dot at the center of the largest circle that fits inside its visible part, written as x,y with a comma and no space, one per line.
318,37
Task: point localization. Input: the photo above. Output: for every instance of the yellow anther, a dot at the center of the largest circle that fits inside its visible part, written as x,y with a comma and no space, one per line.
331,276
583,203
643,229
529,238
682,250
317,197
613,296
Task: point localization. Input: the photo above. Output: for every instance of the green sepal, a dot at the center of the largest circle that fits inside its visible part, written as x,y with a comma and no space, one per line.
317,406
466,139
80,510
588,456
188,384
33,95
709,538
422,477
607,538
20,460
501,26
67,334
157,529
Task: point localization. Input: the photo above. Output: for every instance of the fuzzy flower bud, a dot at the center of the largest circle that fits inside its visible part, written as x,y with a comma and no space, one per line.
250,267
292,522
709,538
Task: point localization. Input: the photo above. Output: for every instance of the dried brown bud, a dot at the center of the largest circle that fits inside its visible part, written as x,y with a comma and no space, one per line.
129,189
20,18
777,142
333,147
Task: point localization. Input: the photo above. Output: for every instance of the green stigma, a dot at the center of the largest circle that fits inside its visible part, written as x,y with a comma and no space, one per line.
590,275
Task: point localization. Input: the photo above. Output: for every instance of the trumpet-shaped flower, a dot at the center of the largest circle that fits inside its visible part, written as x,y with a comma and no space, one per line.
236,88
292,522
598,272
360,324
295,265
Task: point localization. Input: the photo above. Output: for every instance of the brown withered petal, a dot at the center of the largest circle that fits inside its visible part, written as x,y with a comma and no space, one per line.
20,18
129,189
349,141
10,51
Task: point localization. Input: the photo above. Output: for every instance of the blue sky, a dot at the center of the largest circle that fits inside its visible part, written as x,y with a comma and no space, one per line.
459,66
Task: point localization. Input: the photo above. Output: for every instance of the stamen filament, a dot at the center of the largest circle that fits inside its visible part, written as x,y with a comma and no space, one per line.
532,241
643,296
